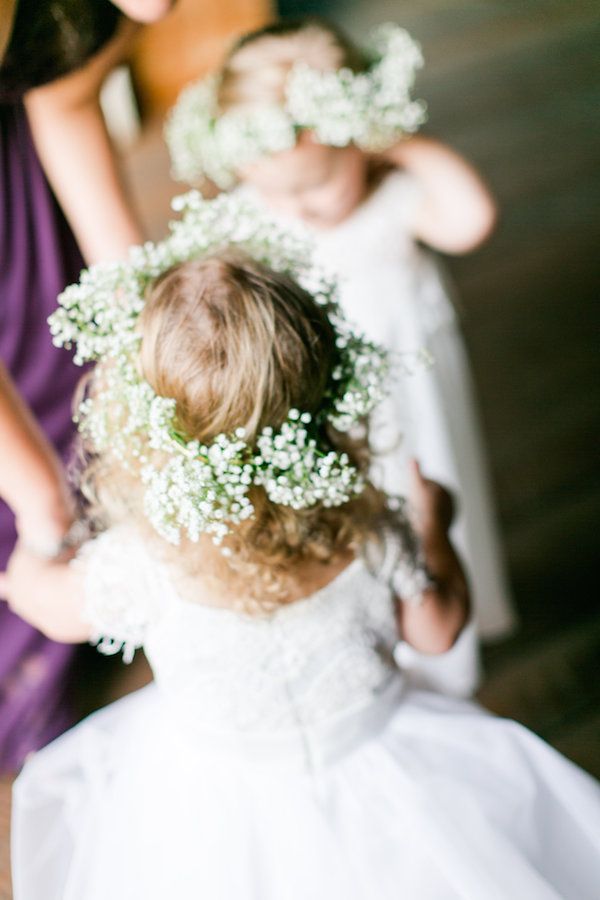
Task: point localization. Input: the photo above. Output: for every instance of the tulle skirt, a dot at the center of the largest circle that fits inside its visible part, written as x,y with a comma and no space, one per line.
438,800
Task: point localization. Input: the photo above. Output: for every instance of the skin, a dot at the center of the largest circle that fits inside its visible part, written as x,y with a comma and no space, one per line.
323,185
74,148
31,478
145,10
434,625
431,627
318,184
457,212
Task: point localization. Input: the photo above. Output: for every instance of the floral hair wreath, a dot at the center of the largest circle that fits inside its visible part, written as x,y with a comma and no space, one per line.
372,109
190,486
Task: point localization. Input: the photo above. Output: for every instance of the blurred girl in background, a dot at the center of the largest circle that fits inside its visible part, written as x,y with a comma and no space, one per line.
323,133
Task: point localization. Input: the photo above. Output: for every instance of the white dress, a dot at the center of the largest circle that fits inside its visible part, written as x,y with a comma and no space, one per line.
285,758
396,293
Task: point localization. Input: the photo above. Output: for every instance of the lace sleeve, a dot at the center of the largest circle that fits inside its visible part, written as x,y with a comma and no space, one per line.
120,591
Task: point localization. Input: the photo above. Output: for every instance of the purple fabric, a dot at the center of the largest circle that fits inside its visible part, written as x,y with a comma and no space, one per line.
38,257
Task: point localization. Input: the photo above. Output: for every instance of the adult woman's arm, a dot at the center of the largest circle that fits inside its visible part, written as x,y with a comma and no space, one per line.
57,610
31,479
76,153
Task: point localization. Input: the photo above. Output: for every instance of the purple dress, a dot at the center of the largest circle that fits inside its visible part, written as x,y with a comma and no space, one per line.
38,257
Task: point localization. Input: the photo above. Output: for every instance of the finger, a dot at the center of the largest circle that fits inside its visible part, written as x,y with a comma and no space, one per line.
415,477
3,586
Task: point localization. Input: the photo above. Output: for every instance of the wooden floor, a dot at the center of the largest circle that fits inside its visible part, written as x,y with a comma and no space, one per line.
513,85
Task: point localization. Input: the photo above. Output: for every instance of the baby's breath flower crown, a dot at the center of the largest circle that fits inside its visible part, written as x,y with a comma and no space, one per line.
372,109
189,486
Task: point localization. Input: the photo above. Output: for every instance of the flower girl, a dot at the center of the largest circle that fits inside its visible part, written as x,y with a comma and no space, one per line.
279,755
320,131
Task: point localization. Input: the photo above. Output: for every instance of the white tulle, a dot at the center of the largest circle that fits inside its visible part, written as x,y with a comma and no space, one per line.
288,758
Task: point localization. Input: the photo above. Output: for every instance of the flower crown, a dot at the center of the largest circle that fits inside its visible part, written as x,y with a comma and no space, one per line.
372,109
190,486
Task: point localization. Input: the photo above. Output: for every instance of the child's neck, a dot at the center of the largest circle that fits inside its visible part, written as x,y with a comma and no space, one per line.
218,589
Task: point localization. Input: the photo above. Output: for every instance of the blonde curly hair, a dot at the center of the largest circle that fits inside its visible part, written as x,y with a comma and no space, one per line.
238,345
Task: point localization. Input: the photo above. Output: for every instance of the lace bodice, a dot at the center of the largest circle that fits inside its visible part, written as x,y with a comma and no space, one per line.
222,671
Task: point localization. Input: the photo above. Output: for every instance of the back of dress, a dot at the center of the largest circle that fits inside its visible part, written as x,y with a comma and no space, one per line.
309,668
282,758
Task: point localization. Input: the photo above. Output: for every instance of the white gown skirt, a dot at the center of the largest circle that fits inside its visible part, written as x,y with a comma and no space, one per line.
440,801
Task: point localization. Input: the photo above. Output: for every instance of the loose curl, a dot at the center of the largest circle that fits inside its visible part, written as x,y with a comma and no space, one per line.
238,345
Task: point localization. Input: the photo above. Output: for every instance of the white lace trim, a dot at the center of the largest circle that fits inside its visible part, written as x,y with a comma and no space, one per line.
221,671
404,568
122,591
305,665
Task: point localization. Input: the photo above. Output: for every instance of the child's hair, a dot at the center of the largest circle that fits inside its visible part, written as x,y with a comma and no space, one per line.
255,69
237,345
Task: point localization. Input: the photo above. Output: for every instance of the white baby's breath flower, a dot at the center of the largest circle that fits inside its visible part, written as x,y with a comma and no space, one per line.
372,109
206,144
193,488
